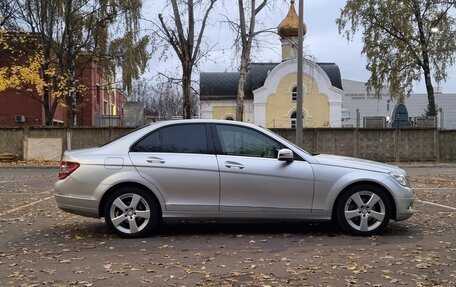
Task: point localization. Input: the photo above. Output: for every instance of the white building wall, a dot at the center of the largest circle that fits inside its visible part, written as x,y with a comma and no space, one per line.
355,97
206,108
310,69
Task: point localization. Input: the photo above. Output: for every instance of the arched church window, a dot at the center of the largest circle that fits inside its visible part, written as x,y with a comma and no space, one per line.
294,93
293,119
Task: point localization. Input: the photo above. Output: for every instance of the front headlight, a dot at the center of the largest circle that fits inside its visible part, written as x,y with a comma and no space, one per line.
402,179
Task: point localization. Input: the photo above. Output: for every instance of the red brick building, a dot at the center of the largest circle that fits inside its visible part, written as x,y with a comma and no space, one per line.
19,108
98,101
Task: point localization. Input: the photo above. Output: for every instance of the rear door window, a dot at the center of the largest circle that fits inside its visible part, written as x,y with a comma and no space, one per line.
185,138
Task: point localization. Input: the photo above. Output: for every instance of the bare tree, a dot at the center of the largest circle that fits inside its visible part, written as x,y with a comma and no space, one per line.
245,36
7,10
185,42
168,102
161,98
143,91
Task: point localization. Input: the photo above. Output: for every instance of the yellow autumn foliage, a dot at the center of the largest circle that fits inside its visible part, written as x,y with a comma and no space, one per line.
25,72
20,75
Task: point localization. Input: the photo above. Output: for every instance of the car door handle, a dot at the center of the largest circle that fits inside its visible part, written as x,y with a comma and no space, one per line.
153,159
233,164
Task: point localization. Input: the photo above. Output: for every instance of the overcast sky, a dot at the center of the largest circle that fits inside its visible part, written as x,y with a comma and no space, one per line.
322,41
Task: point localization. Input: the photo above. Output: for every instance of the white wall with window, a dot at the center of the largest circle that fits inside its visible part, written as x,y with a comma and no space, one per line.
357,103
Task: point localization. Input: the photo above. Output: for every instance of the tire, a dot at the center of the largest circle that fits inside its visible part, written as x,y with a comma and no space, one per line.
363,210
131,212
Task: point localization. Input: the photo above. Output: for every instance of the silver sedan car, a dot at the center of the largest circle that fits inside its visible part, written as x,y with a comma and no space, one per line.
211,170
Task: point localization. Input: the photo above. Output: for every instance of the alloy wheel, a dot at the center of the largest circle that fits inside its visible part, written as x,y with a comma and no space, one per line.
364,211
130,213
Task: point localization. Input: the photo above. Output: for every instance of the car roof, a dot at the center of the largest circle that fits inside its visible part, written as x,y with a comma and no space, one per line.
189,121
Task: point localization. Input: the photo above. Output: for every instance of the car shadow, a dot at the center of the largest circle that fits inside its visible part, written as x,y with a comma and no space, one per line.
246,227
185,234
328,229
227,229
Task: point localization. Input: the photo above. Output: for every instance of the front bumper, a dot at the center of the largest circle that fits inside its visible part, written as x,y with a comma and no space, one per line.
403,199
404,208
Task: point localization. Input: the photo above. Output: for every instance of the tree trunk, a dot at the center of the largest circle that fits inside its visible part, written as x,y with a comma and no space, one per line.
241,89
52,109
49,116
48,112
186,90
431,109
246,38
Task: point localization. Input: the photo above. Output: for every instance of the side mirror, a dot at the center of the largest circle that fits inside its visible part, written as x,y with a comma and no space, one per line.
285,155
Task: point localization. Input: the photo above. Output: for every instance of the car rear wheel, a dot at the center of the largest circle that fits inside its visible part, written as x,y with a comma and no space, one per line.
131,212
364,210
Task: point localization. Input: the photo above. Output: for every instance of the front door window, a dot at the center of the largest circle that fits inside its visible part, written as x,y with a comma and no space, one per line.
241,141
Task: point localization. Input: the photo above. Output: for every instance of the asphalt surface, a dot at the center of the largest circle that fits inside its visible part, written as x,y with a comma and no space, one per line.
43,246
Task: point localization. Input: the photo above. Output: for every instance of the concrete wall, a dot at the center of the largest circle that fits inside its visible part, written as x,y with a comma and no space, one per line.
380,144
376,144
12,139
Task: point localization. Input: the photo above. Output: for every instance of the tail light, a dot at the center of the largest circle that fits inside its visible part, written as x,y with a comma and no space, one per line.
67,168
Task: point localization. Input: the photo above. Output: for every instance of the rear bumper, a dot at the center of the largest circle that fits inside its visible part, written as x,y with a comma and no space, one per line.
77,205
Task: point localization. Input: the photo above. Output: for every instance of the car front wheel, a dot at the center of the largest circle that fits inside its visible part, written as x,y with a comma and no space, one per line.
364,210
131,212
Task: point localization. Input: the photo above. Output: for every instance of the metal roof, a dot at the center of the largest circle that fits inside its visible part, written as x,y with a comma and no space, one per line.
223,85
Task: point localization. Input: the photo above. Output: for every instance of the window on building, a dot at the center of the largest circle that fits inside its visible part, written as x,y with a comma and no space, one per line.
293,120
105,107
294,93
98,94
388,105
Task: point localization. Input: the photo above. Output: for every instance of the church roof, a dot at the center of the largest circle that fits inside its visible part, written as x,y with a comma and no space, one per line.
223,85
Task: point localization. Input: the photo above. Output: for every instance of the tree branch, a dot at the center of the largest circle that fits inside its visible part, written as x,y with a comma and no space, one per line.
170,37
203,26
398,37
